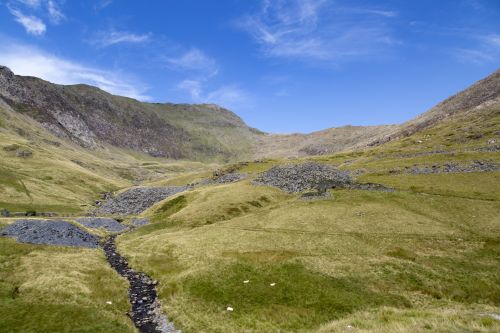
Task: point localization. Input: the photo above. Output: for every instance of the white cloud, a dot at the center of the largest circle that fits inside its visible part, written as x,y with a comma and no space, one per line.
227,96
193,87
31,3
316,30
28,60
32,24
486,49
55,14
118,37
492,40
194,60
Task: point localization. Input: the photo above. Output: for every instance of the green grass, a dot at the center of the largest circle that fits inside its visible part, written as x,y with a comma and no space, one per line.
300,299
356,255
59,289
424,258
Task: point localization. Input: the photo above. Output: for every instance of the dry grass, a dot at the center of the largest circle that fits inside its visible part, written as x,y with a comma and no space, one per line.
59,289
396,250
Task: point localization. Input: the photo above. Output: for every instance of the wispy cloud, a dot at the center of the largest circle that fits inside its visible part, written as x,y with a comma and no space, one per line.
101,4
492,40
113,37
28,60
485,49
31,3
317,30
55,13
194,60
377,12
32,24
229,96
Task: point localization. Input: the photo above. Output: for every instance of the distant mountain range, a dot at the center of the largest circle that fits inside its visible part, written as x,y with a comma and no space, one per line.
96,120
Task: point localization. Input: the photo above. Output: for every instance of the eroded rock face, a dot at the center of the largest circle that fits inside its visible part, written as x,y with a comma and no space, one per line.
89,116
137,200
294,178
54,232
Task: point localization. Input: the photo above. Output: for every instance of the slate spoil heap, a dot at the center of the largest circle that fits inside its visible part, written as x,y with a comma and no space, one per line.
109,224
294,178
56,232
229,178
137,200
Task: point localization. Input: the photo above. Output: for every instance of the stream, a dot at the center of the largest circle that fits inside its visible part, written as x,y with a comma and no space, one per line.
146,309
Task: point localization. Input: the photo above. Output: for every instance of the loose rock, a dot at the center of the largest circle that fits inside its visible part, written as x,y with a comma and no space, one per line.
295,178
146,309
137,200
56,232
101,222
229,178
138,222
476,166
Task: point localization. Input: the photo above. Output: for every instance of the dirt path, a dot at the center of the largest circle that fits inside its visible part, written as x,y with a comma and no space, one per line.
146,310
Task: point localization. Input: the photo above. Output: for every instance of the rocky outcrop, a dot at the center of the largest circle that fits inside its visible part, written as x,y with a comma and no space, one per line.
95,119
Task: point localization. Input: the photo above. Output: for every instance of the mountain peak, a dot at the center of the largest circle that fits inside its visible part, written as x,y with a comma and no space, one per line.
5,71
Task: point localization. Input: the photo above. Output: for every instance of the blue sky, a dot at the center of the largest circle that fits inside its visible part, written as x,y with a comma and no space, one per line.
283,66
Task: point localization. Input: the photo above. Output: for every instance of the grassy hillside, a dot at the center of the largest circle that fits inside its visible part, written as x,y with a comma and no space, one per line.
422,258
483,94
93,118
60,176
59,289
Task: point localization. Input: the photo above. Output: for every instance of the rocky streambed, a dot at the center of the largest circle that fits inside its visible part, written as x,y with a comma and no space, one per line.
146,309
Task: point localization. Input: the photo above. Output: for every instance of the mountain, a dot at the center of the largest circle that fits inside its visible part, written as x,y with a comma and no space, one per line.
323,142
95,119
66,143
481,96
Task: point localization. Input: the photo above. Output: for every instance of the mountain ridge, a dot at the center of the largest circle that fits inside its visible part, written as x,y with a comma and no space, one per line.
95,119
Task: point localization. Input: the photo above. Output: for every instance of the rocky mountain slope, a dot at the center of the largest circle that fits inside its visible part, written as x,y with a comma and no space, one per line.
481,96
95,119
60,146
323,142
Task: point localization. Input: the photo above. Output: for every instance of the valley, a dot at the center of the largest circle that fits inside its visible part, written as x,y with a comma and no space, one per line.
390,228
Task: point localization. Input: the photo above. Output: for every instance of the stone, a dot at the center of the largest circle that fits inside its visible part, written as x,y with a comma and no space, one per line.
5,212
24,153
